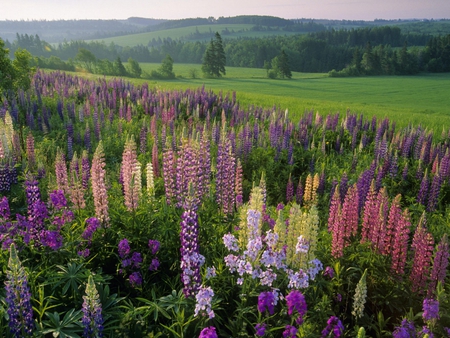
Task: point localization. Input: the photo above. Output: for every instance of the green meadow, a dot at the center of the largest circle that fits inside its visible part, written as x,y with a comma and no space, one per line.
188,33
422,99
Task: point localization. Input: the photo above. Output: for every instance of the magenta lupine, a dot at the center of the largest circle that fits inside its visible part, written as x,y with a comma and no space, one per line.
169,174
440,264
350,216
335,226
370,214
98,182
399,242
131,171
18,297
62,181
92,311
30,151
378,233
155,161
422,246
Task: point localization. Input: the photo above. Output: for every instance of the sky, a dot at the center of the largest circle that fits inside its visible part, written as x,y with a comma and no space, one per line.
182,9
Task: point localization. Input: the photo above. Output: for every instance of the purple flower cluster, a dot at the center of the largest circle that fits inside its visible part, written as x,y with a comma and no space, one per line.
405,330
430,309
289,331
260,329
208,332
334,327
296,303
92,311
203,300
267,301
132,263
154,245
18,297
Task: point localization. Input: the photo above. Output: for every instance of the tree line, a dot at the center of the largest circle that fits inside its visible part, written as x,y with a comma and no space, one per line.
365,51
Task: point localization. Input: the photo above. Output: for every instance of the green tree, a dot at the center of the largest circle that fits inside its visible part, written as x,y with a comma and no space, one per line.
214,59
166,68
119,68
283,65
86,58
16,73
133,68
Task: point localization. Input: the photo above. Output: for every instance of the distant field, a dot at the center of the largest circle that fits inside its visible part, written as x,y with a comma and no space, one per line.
422,99
235,31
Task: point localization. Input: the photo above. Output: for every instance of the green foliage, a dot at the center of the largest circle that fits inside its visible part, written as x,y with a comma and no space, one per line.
133,68
86,59
67,327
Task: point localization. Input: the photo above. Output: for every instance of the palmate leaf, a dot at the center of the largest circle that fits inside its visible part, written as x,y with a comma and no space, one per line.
70,277
68,327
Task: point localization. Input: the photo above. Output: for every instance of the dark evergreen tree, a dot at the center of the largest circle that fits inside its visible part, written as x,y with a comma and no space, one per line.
284,66
214,58
119,68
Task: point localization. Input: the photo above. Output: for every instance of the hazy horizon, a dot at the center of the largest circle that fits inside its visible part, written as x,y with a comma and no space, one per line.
367,10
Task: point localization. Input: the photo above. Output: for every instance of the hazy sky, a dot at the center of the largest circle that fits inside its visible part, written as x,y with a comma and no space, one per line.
180,9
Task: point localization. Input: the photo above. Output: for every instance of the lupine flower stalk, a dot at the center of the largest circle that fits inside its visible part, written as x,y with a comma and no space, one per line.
440,264
62,181
98,181
150,179
92,311
422,246
399,225
131,171
169,174
359,299
18,297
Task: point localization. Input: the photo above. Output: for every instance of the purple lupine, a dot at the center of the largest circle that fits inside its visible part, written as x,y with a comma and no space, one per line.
5,212
295,300
18,297
135,279
30,151
422,245
433,195
225,177
154,246
266,301
93,224
440,264
62,181
98,182
334,328
124,248
187,179
289,190
423,192
92,311
289,331
260,329
430,309
85,170
191,260
208,332
405,330
238,185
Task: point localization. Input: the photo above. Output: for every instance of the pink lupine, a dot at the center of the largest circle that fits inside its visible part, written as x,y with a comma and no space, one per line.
350,217
335,226
398,246
98,181
370,213
169,174
62,181
378,232
422,246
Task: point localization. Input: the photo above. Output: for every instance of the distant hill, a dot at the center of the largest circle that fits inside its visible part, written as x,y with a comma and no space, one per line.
59,30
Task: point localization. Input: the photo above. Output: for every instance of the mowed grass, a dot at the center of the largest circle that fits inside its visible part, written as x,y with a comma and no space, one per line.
421,99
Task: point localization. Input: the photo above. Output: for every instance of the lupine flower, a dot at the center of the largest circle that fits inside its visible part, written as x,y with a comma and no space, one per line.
359,300
334,328
124,248
131,171
289,331
440,264
92,225
203,300
98,181
135,279
154,265
210,272
260,329
208,332
18,297
92,311
230,242
153,245
426,332
296,301
266,301
329,272
430,309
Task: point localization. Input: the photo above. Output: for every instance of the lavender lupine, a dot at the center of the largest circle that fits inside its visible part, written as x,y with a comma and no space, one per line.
98,181
191,259
225,177
422,245
92,311
203,300
440,264
18,297
131,171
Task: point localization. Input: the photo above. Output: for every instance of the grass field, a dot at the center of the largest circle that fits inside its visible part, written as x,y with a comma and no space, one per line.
422,99
236,30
